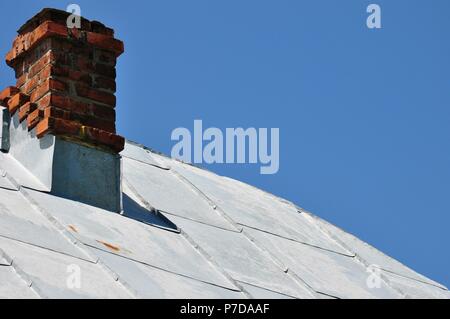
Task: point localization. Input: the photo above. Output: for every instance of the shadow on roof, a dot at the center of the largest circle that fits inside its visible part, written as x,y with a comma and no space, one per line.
133,210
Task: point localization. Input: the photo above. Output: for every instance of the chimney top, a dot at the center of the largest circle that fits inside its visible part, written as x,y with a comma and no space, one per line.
60,16
66,79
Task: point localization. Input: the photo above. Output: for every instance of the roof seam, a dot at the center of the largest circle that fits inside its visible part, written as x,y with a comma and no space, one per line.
23,276
149,207
263,250
357,257
211,203
413,279
212,261
45,248
299,242
68,236
195,246
199,222
142,162
162,269
266,289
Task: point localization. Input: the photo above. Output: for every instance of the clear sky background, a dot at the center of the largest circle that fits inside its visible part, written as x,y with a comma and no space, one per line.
364,115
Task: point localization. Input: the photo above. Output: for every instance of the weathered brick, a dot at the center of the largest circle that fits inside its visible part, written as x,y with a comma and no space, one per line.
82,118
40,64
69,75
105,70
25,110
105,84
102,138
48,85
27,41
105,57
65,103
105,42
30,85
57,126
101,124
96,95
8,93
99,27
17,101
34,118
21,80
85,64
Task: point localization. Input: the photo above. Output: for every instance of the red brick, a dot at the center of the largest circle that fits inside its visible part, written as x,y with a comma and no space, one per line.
99,27
17,101
105,83
96,95
54,15
25,110
101,124
102,138
84,63
27,41
34,118
74,75
40,64
37,79
21,80
64,102
105,57
49,85
7,93
105,42
105,70
81,118
104,112
30,85
57,126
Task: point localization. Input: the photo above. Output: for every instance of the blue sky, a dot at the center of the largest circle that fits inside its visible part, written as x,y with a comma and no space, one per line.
364,115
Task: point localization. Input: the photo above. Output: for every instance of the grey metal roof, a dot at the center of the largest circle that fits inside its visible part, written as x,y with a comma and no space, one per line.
184,233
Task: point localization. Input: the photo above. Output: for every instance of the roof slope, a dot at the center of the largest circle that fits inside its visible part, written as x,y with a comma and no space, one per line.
184,233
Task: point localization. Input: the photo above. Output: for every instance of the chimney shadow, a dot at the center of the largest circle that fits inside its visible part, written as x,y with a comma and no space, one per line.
134,210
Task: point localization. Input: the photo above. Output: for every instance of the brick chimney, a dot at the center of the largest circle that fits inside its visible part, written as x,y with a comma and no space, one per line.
64,101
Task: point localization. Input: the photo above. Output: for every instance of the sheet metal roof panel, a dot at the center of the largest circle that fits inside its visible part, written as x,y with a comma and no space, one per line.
5,182
164,191
20,174
21,222
17,229
141,154
49,273
261,293
370,254
241,258
12,287
415,289
132,239
141,254
251,207
326,272
153,283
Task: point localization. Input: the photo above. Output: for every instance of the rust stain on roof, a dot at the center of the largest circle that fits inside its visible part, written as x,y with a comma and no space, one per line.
109,246
73,228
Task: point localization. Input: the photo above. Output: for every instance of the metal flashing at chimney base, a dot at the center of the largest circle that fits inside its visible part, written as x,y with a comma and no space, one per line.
68,169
